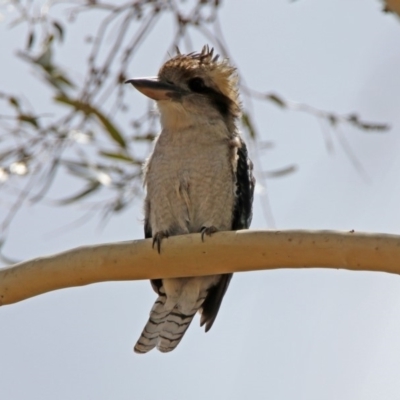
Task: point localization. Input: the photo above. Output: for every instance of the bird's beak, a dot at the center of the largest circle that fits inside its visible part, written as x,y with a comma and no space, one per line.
156,89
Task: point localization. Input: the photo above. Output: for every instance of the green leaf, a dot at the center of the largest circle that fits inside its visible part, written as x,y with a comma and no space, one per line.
278,173
82,170
14,102
373,126
148,137
57,79
91,188
247,123
119,205
333,119
59,29
117,156
29,119
111,129
31,39
277,100
45,59
88,109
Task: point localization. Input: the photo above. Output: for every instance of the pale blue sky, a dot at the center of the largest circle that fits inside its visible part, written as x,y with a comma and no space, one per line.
280,334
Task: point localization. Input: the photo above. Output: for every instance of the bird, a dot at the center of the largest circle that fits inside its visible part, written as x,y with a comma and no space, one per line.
198,178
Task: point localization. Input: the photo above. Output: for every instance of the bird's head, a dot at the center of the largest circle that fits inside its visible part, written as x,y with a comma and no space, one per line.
191,88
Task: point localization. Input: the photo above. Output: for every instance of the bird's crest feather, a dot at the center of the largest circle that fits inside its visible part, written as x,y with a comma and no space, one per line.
223,75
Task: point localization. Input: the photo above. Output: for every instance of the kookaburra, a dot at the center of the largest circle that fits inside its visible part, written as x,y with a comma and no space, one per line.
198,179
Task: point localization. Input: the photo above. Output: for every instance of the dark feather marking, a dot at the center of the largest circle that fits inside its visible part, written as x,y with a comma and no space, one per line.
140,351
222,103
140,341
143,343
183,316
155,283
156,323
213,301
147,347
245,183
172,340
242,216
149,336
147,229
178,324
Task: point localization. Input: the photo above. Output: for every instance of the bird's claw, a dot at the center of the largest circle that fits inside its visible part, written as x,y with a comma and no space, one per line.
207,231
157,238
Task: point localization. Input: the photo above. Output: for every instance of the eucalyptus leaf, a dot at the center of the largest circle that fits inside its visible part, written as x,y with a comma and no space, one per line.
91,188
88,109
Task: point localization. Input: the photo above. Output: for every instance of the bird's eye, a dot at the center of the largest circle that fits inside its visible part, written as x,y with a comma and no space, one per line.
197,85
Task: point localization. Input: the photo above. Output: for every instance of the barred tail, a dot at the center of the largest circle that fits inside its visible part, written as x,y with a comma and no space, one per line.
173,330
166,326
151,332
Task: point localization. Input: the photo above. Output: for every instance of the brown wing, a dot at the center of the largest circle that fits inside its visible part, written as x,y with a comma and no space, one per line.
156,284
242,215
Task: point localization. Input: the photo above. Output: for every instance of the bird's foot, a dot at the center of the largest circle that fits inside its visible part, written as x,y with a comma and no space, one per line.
157,239
207,231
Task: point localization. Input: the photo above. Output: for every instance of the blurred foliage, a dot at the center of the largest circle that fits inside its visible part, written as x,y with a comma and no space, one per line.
86,138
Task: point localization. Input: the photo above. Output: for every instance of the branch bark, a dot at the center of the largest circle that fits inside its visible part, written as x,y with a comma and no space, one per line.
393,6
187,255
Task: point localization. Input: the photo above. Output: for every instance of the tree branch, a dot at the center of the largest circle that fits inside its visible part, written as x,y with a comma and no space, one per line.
392,6
187,255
